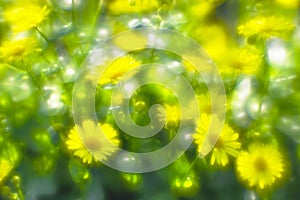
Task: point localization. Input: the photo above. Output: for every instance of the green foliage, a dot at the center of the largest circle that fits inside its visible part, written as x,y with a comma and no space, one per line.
254,45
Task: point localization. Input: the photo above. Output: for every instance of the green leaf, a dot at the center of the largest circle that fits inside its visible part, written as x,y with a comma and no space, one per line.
78,172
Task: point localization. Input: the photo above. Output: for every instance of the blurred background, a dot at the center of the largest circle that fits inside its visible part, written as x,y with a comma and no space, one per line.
254,45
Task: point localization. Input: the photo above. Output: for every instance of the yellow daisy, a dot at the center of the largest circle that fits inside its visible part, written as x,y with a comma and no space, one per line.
5,168
227,142
202,8
205,103
266,27
118,68
93,146
260,166
221,43
172,114
118,7
240,61
16,50
25,16
222,49
293,4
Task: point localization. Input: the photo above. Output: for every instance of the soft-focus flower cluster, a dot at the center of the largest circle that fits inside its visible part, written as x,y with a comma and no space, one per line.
252,151
25,16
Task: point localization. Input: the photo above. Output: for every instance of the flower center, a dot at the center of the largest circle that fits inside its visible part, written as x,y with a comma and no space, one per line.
239,65
219,143
92,144
260,164
18,50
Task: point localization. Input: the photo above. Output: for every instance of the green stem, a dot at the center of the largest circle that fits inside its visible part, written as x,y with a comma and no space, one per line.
233,83
191,166
195,80
58,13
99,8
18,187
20,193
15,68
265,78
35,80
46,59
42,34
73,13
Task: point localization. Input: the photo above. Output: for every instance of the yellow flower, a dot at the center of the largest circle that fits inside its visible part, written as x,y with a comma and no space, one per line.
266,27
288,4
227,143
221,43
205,103
5,168
92,146
240,61
172,114
117,69
16,50
202,8
118,7
260,166
223,51
24,16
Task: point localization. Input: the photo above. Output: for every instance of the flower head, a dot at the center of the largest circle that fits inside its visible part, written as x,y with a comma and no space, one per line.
293,4
25,16
241,61
117,69
172,114
205,102
118,7
16,50
228,58
266,27
260,166
202,8
92,146
5,168
226,144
